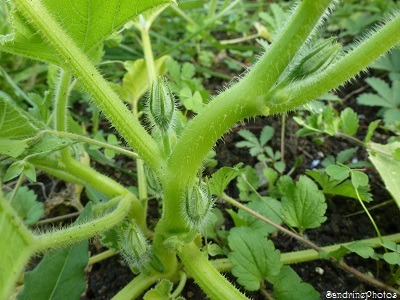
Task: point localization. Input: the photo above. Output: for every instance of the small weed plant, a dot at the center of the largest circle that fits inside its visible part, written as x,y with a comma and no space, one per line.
170,135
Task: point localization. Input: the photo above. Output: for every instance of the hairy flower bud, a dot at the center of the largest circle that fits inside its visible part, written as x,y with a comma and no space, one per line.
317,60
135,248
198,204
153,183
161,104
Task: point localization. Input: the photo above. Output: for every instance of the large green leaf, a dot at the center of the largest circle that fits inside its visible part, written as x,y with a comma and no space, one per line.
15,124
17,245
60,275
388,167
304,204
253,257
87,22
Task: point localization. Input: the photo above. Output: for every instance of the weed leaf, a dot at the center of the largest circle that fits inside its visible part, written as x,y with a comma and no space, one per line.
267,207
87,22
60,275
162,291
303,205
371,128
288,286
349,121
136,80
220,179
337,172
388,167
16,123
358,179
253,257
26,206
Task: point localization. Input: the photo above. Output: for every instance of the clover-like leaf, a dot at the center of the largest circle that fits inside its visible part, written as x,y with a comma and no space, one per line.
337,172
253,257
87,22
359,179
304,205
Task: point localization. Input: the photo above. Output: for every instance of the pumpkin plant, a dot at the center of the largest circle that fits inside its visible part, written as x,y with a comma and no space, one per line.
292,71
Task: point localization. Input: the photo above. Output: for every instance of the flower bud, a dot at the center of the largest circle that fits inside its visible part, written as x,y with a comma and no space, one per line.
135,248
198,204
317,60
153,183
161,104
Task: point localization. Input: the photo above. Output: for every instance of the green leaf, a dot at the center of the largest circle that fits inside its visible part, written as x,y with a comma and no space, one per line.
349,121
253,257
16,247
289,286
26,206
13,148
162,291
359,179
346,154
237,220
396,154
269,208
387,167
371,128
360,248
87,22
14,170
304,205
60,275
266,135
337,172
220,179
136,80
340,188
15,123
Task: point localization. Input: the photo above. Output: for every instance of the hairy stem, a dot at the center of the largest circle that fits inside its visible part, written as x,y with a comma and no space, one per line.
370,49
83,231
216,286
136,287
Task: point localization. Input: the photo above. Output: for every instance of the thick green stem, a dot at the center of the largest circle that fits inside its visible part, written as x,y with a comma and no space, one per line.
136,287
240,101
216,286
79,65
87,230
370,49
76,172
61,106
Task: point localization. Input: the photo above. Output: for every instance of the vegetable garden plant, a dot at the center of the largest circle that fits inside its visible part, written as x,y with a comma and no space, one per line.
170,155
